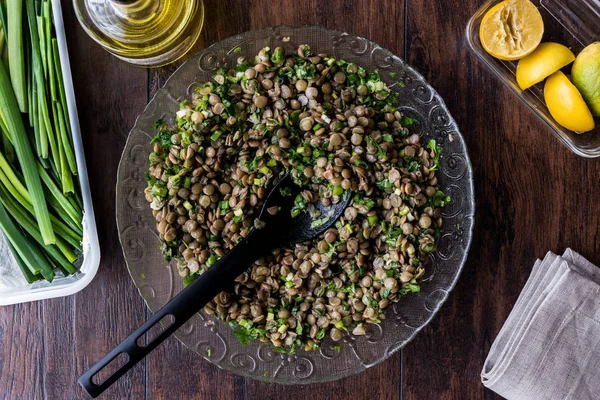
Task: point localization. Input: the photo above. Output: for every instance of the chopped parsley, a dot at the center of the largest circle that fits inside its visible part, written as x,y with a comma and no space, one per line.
388,138
244,331
286,191
373,303
385,184
413,166
158,123
163,138
253,164
407,121
361,163
368,203
409,288
392,237
380,152
439,199
436,150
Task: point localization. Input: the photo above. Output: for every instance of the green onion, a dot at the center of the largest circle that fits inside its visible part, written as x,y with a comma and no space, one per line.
3,19
16,53
12,178
8,103
29,276
62,201
30,254
61,86
64,257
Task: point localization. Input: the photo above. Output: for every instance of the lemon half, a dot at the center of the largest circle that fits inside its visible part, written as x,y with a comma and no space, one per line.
546,59
511,29
566,105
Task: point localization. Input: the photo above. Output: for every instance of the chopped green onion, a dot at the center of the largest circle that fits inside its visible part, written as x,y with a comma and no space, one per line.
212,260
338,190
215,136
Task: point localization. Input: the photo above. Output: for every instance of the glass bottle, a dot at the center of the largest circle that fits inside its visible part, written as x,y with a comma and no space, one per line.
148,33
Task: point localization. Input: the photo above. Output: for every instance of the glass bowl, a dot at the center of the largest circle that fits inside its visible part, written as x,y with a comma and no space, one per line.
208,336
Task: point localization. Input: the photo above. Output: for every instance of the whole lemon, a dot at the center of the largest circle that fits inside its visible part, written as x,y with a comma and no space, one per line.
585,75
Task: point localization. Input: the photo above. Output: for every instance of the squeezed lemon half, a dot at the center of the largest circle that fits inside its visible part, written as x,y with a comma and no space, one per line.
546,59
566,105
512,29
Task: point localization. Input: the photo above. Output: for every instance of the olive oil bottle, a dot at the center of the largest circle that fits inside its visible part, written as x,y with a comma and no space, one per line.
148,33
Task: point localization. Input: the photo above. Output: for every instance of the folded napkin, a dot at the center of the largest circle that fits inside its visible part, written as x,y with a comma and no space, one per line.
549,347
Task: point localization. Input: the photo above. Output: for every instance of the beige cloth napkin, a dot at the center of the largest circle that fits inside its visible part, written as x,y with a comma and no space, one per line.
549,347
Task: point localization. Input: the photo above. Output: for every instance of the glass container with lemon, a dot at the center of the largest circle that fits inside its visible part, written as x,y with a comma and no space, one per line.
550,58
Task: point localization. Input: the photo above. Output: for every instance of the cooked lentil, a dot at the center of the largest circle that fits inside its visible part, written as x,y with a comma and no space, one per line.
336,127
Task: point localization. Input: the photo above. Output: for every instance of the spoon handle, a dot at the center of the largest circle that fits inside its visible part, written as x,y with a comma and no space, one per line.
181,308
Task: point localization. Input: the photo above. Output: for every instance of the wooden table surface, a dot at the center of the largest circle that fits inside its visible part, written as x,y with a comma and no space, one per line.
533,195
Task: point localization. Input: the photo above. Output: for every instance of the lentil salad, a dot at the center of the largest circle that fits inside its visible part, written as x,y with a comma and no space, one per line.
336,127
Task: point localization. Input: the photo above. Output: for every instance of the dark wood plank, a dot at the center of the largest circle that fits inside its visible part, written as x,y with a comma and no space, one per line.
451,350
81,329
22,354
533,195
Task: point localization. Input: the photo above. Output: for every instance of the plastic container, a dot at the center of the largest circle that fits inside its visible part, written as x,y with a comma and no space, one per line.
574,23
64,286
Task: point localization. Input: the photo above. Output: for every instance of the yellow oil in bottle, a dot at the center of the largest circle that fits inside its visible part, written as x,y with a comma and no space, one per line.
143,32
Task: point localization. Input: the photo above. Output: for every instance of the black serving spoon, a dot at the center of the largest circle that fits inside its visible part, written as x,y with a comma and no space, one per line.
271,231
